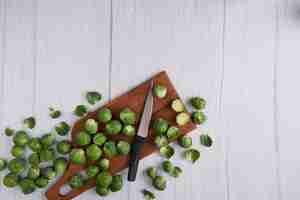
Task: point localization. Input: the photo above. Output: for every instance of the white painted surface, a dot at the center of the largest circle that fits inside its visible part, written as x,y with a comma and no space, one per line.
240,55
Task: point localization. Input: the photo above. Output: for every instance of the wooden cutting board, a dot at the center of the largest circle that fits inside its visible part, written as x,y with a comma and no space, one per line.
133,99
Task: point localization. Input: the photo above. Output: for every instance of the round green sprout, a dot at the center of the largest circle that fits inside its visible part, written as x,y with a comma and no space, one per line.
80,110
110,149
198,117
127,116
3,164
91,126
129,130
103,164
123,147
167,166
182,118
63,147
113,127
76,181
185,141
117,183
173,133
41,182
17,165
101,191
148,195
177,105
49,173
160,183
93,97
167,151
104,115
33,172
21,138
160,91
152,172
11,180
34,159
29,122
93,152
160,126
161,140
192,155
17,151
198,103
35,145
47,140
60,165
104,179
47,155
54,113
27,186
62,128
83,138
99,139
9,131
77,156
206,140
176,172
92,171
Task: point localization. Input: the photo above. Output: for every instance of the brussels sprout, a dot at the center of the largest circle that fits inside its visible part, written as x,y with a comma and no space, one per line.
160,126
93,152
49,173
9,131
62,128
129,130
104,115
161,140
29,122
80,110
54,113
99,139
47,140
198,103
160,91
103,164
21,138
177,105
176,172
152,172
27,186
198,117
63,147
110,149
77,156
185,141
160,183
83,138
127,116
17,151
113,127
173,133
60,165
11,180
123,147
192,155
41,182
34,159
167,166
35,145
104,179
182,118
102,191
206,140
33,172
3,164
17,165
93,97
76,181
167,151
92,171
117,183
91,126
148,195
47,155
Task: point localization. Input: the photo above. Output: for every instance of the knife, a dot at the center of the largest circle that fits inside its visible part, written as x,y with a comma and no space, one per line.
141,136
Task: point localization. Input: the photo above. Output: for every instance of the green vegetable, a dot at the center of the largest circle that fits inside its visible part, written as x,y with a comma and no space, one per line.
110,149
123,147
63,147
173,133
103,164
27,186
99,139
80,110
54,113
206,140
104,115
176,172
92,171
152,172
104,179
62,128
198,117
127,116
117,183
91,126
160,91
33,172
9,131
3,164
113,127
198,103
101,191
177,105
167,166
148,195
47,155
11,180
41,182
185,141
34,159
160,126
29,122
167,151
60,165
35,145
160,183
77,156
76,181
83,138
17,151
182,118
129,130
17,165
93,97
49,173
161,140
93,152
21,138
192,155
47,140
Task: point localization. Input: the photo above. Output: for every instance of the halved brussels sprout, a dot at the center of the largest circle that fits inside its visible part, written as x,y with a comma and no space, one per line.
113,127
148,195
11,180
35,145
104,179
83,138
160,183
198,117
161,140
117,183
182,118
41,182
27,186
3,164
47,155
9,131
99,139
127,116
160,126
192,155
80,110
48,172
21,138
64,147
110,149
198,103
104,115
152,172
102,191
29,122
93,97
60,165
103,164
173,133
206,140
185,141
62,128
92,171
177,105
167,166
167,151
77,156
129,130
123,147
33,172
160,90
76,181
17,165
53,113
91,126
93,152
176,172
47,140
17,151
34,159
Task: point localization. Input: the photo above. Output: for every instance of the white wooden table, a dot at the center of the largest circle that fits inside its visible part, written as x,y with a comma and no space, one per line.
241,55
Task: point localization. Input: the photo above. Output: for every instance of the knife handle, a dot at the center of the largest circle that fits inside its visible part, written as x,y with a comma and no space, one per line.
134,157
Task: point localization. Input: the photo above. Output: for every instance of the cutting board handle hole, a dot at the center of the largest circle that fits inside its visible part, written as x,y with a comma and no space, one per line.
64,190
